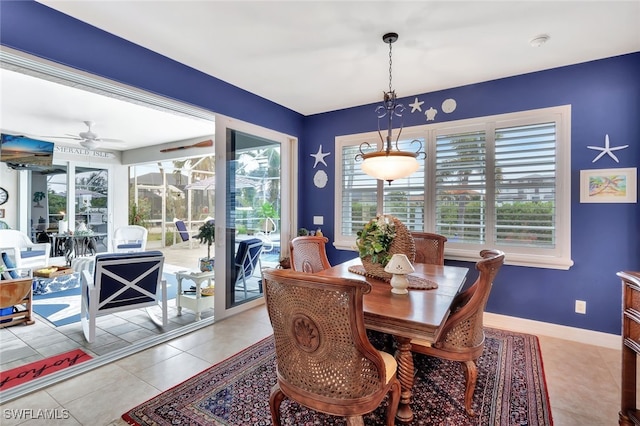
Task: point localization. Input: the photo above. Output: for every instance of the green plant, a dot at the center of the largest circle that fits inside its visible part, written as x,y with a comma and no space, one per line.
137,216
303,232
37,197
375,239
207,234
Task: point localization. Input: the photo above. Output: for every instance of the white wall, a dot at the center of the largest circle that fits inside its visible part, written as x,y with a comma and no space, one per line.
9,181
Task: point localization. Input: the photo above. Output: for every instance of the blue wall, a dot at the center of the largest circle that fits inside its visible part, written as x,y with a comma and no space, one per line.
605,99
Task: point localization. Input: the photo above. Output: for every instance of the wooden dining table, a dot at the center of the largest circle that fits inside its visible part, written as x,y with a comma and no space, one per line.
420,314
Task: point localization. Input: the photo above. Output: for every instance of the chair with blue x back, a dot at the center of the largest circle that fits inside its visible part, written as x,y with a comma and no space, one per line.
121,282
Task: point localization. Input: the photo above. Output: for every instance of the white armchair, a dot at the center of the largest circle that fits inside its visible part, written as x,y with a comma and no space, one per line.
25,253
130,239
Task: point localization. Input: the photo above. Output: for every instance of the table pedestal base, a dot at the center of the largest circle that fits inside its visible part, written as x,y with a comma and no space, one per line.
404,357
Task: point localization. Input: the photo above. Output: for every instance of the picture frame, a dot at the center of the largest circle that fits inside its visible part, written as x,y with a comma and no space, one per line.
1,213
609,185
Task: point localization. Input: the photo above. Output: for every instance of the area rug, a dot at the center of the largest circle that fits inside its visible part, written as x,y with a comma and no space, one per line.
63,307
34,370
511,390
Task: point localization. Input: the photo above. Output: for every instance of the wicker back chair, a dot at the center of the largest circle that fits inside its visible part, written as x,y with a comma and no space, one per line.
462,337
429,247
324,359
308,254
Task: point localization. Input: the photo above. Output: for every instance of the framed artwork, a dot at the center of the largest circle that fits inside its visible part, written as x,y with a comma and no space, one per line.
608,185
1,213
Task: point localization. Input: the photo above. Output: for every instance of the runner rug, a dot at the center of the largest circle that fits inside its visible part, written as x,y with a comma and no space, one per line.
37,369
511,390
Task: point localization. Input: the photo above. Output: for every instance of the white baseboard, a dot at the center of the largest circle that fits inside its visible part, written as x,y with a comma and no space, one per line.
521,325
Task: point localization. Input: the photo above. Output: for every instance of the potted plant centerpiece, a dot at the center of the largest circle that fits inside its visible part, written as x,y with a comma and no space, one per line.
379,240
207,234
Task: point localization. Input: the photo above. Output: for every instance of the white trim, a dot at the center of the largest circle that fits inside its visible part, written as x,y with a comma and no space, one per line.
580,335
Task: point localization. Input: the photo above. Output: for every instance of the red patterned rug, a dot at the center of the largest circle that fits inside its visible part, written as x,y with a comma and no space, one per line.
511,390
37,369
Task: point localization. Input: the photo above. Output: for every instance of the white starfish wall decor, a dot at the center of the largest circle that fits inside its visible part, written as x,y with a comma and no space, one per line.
607,150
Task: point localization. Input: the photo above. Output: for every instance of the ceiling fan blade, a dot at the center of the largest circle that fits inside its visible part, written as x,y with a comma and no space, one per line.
111,140
195,145
62,137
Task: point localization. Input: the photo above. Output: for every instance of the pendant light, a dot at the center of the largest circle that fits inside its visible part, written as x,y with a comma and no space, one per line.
390,163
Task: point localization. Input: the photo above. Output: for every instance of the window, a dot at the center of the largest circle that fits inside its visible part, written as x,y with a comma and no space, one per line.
501,182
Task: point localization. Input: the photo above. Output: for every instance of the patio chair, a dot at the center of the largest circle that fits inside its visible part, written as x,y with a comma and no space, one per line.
185,235
462,337
429,247
308,254
324,359
25,253
122,282
246,260
130,239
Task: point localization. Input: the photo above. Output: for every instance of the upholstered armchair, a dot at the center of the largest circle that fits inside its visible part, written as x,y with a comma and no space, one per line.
324,359
429,247
130,239
308,254
122,282
25,253
462,337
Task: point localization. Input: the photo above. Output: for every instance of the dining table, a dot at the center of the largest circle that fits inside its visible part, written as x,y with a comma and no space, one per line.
420,314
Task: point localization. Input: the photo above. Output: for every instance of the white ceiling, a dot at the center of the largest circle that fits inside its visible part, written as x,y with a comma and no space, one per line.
317,56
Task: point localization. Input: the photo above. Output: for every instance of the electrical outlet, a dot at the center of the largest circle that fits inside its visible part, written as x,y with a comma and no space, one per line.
581,307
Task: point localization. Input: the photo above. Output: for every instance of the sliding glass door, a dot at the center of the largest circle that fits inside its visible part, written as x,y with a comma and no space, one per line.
257,210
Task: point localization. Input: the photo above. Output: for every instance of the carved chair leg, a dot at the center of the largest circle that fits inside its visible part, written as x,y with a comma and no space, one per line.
275,399
471,375
394,401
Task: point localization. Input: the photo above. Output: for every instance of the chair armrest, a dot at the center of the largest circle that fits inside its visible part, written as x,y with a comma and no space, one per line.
87,280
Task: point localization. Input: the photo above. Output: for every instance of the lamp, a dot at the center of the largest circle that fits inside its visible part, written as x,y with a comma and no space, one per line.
400,267
390,163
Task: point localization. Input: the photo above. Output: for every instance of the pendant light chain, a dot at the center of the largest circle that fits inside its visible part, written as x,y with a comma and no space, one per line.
390,67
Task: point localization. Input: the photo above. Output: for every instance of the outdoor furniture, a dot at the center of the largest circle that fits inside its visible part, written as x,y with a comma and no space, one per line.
246,260
122,282
429,247
130,239
308,254
16,298
462,336
324,359
195,300
25,253
185,235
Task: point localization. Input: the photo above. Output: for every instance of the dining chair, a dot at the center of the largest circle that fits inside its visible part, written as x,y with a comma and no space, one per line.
429,247
308,254
462,336
324,359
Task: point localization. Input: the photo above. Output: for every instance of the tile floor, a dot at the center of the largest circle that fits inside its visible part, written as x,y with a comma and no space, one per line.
583,380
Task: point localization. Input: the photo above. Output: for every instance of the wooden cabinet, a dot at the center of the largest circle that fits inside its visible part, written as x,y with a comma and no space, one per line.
629,413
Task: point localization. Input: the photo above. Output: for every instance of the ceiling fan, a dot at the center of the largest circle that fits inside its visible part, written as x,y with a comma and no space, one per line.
88,139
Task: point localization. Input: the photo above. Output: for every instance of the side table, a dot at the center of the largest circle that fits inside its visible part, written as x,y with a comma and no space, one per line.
196,302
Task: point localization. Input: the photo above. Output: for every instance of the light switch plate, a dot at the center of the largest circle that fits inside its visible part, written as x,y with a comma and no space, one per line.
318,220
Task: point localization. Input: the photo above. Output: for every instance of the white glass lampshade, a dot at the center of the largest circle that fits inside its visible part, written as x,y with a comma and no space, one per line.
399,266
392,166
